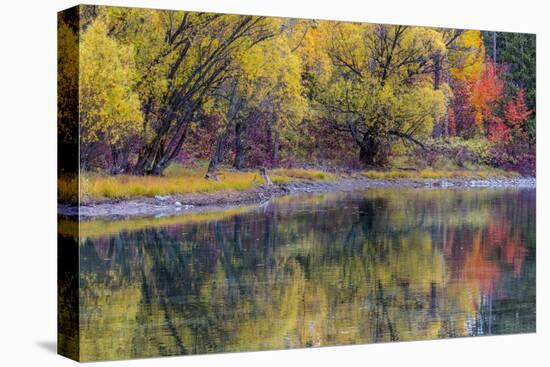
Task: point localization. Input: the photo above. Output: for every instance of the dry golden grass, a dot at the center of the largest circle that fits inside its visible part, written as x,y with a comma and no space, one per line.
305,174
125,186
177,180
439,174
182,180
67,189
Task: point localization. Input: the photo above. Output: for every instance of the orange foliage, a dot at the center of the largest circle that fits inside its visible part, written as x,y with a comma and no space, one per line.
516,111
479,267
513,249
480,264
510,127
486,93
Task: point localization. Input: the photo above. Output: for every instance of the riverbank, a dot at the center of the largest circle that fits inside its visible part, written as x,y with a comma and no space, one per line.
167,205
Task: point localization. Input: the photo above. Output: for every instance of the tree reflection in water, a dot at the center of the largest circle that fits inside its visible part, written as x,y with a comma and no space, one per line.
313,270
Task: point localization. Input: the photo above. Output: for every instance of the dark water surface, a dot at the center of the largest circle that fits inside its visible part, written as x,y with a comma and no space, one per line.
313,270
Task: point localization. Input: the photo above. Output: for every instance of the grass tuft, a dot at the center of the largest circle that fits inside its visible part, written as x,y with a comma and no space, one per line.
304,174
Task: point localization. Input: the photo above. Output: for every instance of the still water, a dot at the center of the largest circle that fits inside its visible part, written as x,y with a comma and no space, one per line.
313,270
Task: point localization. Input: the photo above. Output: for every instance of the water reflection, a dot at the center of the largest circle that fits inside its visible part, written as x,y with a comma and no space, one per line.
373,266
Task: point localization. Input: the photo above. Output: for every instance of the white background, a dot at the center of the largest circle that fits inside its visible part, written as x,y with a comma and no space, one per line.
28,179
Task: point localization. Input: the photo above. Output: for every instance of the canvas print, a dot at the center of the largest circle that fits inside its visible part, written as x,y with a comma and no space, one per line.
232,183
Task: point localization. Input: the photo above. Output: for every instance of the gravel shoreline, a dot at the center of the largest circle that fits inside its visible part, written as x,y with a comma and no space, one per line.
180,204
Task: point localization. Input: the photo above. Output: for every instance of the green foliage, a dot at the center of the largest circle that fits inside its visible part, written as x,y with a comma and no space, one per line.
517,52
531,128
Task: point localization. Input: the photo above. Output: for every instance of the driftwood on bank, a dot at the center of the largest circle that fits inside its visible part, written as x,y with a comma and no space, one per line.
265,176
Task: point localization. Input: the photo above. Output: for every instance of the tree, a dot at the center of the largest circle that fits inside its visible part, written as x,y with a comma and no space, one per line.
511,128
187,55
441,76
67,91
109,108
380,88
485,97
466,69
518,54
264,85
517,59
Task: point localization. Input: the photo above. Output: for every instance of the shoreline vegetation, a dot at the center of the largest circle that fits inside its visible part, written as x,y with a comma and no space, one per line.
108,218
185,191
97,188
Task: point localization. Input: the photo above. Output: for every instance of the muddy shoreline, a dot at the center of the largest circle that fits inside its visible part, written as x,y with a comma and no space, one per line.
189,203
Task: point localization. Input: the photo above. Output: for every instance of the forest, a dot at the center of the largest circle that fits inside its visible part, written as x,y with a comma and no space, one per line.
158,88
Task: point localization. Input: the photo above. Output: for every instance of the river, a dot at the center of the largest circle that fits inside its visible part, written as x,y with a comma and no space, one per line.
377,265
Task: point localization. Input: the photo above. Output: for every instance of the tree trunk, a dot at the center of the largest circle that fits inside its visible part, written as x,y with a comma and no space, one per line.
369,152
273,142
149,157
239,146
494,51
120,160
437,71
447,99
155,156
437,130
172,132
275,149
218,153
217,157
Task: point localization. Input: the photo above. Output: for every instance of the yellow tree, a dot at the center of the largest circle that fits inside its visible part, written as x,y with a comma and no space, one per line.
182,58
109,108
264,85
67,79
467,56
381,87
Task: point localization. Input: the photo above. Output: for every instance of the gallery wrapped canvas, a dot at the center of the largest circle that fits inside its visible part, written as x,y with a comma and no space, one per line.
240,183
